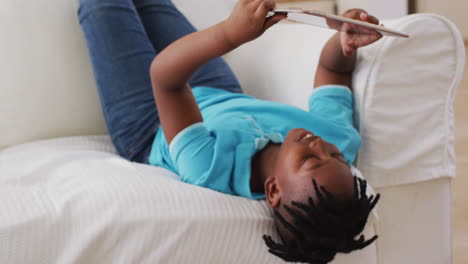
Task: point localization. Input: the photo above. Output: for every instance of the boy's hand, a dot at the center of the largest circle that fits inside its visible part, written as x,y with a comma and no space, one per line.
248,20
353,37
338,57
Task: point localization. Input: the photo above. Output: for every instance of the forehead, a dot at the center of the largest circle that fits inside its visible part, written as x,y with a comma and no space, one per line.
335,178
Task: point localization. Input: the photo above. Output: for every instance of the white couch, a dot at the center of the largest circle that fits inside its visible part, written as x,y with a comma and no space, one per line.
68,198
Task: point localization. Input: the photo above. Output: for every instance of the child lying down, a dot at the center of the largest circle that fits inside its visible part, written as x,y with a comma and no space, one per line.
170,100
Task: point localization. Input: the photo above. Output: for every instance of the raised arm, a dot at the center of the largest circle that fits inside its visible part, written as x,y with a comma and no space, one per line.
338,56
172,68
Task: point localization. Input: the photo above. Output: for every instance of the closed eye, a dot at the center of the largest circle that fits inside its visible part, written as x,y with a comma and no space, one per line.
309,157
340,158
333,155
337,155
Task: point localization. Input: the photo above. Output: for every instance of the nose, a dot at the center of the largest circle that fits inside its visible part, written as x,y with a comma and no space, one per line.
319,146
317,143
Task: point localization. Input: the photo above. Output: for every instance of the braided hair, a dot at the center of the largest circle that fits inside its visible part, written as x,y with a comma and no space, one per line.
324,228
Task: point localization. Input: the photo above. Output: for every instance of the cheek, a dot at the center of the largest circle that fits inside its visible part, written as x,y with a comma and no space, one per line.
288,165
282,172
285,164
289,180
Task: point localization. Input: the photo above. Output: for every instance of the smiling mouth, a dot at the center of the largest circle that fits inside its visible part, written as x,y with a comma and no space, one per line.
309,135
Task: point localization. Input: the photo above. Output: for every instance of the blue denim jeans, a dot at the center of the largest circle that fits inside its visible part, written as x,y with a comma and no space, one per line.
123,37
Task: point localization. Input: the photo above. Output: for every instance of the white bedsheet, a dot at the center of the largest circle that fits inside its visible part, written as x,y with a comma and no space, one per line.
73,200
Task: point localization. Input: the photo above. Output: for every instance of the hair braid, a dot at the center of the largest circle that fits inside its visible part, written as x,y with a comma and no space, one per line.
324,228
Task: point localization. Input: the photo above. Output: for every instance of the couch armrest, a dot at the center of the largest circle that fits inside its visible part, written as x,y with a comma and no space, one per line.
404,92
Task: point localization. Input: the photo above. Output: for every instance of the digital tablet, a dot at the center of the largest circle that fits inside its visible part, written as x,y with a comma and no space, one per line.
339,23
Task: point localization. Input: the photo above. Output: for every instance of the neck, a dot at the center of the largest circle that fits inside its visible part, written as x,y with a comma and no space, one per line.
262,166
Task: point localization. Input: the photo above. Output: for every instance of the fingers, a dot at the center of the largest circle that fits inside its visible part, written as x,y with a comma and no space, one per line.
349,48
374,38
362,15
354,37
348,51
369,18
264,6
273,20
354,13
269,4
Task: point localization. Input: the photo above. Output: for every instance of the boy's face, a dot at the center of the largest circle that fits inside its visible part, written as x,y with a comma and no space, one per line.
303,157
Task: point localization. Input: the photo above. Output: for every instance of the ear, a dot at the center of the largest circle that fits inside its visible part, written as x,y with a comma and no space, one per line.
272,193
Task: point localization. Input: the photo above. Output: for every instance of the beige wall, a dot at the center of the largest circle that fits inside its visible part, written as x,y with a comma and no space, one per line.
455,10
383,9
344,5
327,6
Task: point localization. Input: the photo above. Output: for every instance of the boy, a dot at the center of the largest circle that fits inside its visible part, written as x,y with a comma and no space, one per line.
213,136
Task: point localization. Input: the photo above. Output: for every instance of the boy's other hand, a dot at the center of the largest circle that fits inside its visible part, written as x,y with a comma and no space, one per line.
248,20
353,37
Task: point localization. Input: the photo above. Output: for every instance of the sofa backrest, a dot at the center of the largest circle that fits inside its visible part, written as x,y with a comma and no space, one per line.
47,87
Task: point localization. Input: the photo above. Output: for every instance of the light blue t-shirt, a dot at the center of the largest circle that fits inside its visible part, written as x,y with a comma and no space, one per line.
217,152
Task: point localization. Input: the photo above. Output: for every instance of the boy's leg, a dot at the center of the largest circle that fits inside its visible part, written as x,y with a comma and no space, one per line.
164,24
121,54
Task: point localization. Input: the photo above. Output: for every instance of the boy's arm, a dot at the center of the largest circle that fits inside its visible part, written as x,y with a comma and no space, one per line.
171,69
334,67
338,56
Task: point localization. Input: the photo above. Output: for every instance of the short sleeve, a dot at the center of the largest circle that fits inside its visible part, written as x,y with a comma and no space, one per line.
192,152
333,102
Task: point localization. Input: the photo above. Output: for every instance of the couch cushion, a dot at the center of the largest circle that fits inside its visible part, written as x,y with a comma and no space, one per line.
74,200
